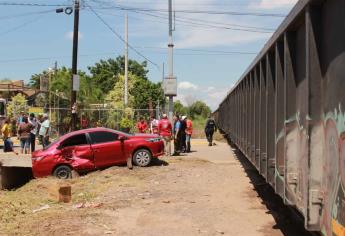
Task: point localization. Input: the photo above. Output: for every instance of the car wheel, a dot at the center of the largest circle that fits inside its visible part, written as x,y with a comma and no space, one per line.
63,172
142,157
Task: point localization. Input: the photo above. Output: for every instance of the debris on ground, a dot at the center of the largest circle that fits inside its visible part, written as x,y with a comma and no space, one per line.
42,208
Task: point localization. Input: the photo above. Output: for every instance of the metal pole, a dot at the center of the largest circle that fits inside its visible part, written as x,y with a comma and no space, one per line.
75,58
49,93
170,60
126,60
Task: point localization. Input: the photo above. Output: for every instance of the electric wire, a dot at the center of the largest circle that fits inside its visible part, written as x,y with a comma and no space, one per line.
121,38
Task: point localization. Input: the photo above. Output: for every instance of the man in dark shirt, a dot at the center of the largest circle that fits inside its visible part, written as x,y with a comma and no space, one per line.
210,128
183,133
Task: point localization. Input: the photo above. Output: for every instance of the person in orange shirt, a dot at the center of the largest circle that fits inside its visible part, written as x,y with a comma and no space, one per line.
142,125
189,132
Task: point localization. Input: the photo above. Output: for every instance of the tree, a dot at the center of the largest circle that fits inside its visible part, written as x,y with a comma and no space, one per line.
88,93
179,108
145,91
16,105
105,73
199,108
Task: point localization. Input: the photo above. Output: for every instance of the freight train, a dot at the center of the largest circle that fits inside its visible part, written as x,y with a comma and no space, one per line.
287,113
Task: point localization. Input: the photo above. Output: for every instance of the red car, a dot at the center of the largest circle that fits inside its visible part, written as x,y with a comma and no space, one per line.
91,149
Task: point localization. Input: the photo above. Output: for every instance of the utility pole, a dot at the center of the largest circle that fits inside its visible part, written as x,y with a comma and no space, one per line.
170,60
75,63
126,60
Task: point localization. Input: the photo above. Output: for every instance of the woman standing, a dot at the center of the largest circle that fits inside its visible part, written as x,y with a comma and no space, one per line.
24,135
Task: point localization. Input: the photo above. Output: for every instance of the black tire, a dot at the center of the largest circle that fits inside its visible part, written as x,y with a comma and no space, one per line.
142,157
63,172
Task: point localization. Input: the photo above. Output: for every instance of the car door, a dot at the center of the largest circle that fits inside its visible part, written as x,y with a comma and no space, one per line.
77,150
107,148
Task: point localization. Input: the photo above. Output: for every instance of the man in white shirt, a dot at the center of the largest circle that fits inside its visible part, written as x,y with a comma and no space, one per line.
45,130
33,122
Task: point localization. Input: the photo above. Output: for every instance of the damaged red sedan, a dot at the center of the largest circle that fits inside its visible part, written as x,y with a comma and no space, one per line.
91,149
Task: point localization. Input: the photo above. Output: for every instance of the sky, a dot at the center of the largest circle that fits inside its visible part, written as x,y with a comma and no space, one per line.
213,46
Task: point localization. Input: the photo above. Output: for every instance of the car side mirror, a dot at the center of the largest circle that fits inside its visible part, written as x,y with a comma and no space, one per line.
123,138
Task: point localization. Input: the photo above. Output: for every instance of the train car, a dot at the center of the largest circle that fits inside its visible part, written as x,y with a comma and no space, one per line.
287,113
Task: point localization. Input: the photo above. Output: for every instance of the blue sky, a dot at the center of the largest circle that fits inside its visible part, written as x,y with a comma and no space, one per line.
33,38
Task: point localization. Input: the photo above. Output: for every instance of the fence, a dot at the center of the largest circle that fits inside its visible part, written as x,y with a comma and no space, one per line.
99,117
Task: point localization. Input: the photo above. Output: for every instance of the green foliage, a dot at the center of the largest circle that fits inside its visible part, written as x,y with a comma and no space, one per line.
17,105
180,109
106,72
106,84
144,92
199,108
126,123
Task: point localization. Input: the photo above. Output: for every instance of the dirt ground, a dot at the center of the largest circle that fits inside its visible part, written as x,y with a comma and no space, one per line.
213,191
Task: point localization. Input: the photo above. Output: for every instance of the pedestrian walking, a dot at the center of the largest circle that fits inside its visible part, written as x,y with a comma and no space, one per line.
177,135
164,130
142,125
183,133
210,128
24,135
34,123
154,125
189,132
45,130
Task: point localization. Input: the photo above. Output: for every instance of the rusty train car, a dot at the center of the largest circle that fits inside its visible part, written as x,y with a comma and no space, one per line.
287,113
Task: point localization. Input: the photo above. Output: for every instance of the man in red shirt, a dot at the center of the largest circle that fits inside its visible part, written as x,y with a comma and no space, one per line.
164,130
142,125
189,132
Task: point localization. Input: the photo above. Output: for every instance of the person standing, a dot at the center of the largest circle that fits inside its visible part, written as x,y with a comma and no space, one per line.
183,133
142,125
210,128
24,135
189,132
164,130
154,125
5,130
177,135
45,130
34,123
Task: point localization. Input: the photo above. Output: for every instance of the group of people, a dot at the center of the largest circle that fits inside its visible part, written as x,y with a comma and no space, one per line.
28,127
180,132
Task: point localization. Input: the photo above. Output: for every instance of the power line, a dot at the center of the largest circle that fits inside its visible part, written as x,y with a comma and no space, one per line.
202,52
32,4
120,37
195,23
212,12
26,14
20,26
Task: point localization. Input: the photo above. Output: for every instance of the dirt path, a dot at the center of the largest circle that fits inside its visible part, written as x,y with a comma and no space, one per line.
177,196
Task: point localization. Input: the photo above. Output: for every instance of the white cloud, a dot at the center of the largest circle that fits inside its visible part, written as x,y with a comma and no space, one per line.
69,35
185,85
211,95
269,4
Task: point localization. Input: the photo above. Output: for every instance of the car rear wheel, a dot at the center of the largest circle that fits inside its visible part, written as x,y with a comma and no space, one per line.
142,157
63,172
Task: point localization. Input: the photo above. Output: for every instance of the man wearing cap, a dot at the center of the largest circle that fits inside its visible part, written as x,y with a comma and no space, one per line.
44,130
164,130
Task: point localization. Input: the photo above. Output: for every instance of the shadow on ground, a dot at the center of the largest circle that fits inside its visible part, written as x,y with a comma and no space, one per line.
288,221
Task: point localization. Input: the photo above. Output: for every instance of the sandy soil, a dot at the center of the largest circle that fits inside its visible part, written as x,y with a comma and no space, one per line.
175,196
